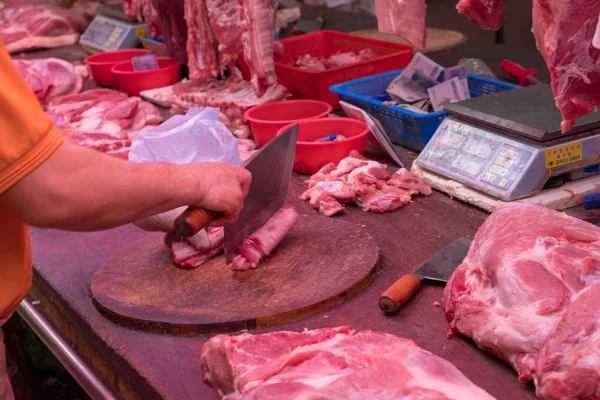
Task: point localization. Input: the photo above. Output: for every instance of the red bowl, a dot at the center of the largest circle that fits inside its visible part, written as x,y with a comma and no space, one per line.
100,64
266,119
133,82
311,156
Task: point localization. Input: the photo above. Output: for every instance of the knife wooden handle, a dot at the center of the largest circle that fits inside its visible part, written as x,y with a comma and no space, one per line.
193,220
399,293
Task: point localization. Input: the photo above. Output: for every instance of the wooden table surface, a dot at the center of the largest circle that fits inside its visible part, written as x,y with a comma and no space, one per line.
140,365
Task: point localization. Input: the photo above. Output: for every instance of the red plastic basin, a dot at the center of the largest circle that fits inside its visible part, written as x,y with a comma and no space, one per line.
100,64
133,82
266,119
311,156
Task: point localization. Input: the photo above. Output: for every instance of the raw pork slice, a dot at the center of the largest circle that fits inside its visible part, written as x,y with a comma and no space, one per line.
262,242
487,13
330,363
404,18
27,27
50,77
525,293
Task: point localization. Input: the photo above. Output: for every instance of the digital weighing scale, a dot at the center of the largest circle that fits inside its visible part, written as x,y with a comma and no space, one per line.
509,145
110,30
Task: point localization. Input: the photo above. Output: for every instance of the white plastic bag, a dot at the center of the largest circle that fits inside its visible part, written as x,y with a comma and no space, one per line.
197,136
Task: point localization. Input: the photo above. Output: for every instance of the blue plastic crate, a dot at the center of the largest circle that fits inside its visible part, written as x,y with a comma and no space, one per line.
404,127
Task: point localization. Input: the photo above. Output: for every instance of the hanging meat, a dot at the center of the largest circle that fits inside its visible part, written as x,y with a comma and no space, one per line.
567,34
216,32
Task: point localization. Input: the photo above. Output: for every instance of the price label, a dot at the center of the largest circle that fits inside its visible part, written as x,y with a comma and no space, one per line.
563,155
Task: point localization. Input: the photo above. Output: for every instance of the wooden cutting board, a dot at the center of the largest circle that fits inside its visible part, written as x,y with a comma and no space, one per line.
438,40
319,264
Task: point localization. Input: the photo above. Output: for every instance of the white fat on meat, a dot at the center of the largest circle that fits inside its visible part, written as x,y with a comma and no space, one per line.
409,180
186,255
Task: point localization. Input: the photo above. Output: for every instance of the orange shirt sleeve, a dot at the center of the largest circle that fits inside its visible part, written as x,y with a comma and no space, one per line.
27,137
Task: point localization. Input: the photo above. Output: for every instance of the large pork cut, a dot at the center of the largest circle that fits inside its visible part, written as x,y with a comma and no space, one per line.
28,26
330,363
51,77
528,293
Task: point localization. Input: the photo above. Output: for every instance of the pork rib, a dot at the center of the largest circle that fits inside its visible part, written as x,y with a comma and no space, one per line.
261,18
262,242
201,43
330,363
519,294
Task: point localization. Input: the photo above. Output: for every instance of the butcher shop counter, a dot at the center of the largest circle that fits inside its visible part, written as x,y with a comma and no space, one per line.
140,365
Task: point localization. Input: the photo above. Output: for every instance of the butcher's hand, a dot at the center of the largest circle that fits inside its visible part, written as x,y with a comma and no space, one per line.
221,187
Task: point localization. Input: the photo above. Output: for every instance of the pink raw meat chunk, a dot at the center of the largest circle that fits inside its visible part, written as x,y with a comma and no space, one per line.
262,242
487,13
523,293
330,363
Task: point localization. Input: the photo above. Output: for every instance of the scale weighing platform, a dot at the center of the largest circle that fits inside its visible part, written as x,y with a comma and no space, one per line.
509,145
110,30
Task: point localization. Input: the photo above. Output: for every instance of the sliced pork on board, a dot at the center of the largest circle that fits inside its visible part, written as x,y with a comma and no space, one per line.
51,77
189,254
27,27
330,363
364,182
528,292
103,119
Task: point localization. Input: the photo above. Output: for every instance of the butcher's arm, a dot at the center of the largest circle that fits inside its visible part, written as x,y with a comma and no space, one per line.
81,189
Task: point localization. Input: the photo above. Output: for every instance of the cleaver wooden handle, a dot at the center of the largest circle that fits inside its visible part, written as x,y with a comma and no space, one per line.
193,220
399,293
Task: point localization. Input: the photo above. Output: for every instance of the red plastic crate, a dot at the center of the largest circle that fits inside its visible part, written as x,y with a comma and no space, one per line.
315,84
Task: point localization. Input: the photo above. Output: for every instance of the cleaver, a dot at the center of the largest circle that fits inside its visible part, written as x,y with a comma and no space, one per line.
271,169
437,269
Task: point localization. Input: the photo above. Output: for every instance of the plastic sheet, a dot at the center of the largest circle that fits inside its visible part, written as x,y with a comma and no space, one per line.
197,136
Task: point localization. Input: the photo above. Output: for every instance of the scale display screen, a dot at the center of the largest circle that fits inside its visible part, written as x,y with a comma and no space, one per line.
477,157
105,34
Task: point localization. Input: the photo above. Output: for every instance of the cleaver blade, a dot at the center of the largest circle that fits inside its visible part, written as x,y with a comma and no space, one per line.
271,169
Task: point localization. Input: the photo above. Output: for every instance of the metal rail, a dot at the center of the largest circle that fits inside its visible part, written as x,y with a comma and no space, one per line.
64,353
